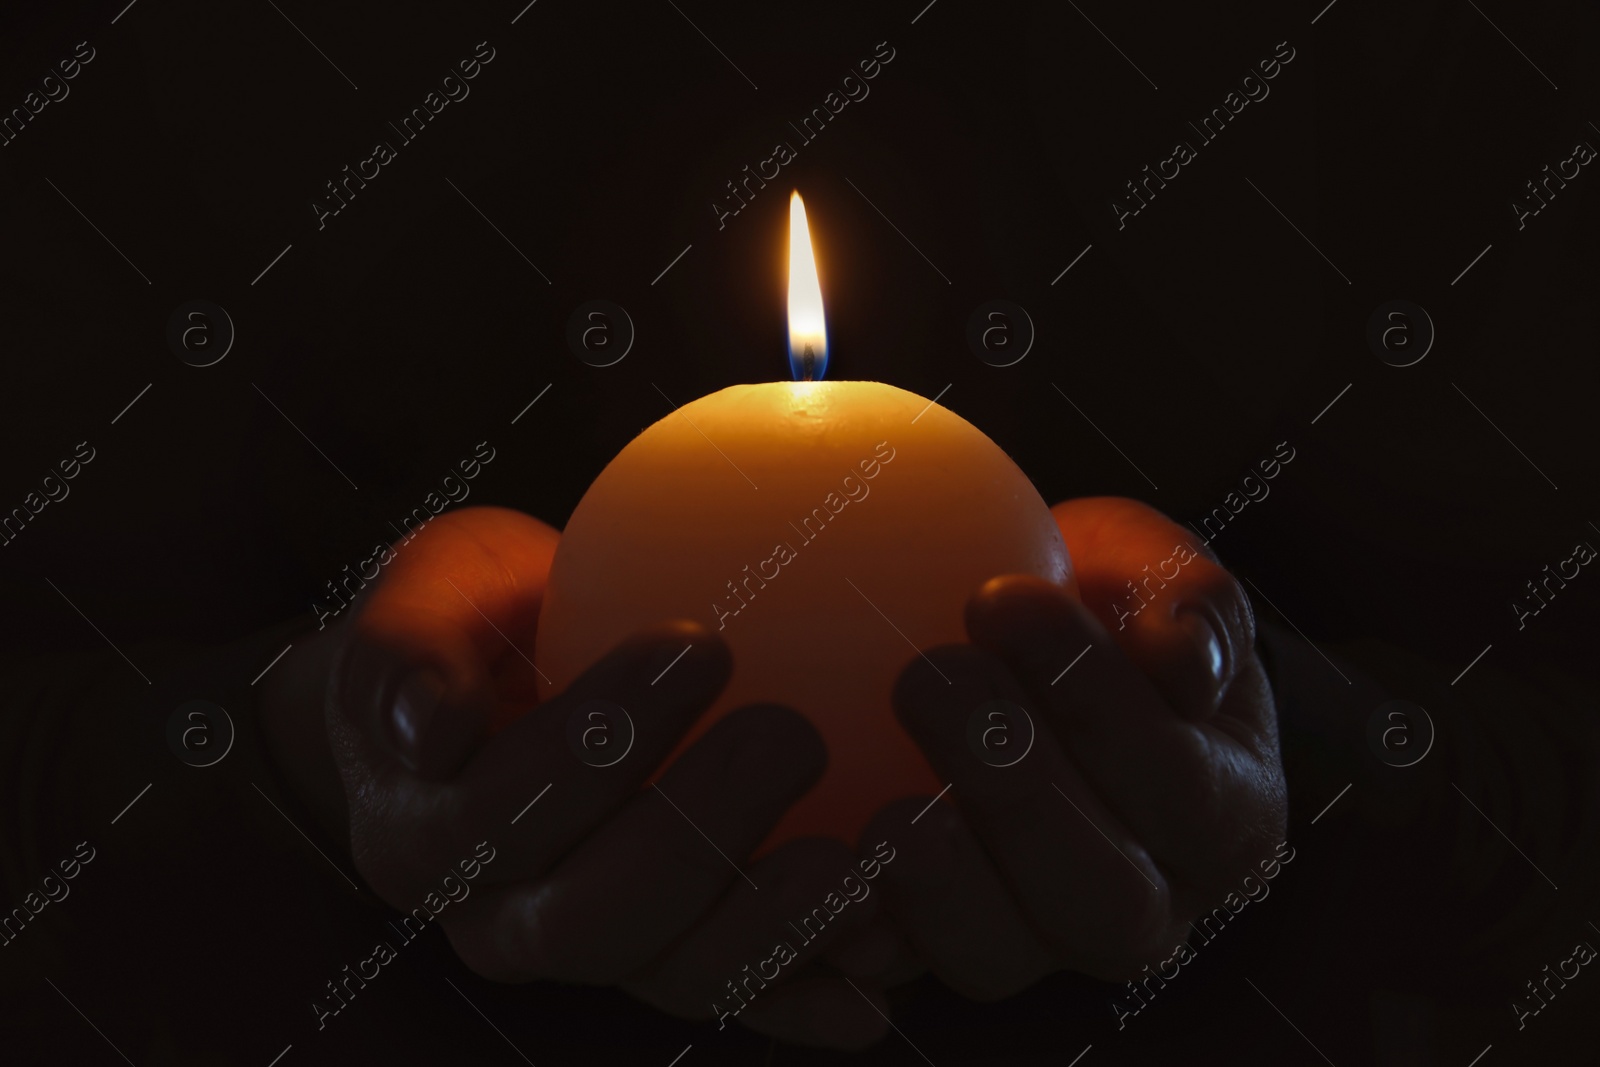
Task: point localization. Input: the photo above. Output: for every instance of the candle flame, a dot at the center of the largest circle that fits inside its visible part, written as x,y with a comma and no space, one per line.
808,332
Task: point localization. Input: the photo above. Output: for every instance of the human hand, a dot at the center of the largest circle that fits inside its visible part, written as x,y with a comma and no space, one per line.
385,726
1153,784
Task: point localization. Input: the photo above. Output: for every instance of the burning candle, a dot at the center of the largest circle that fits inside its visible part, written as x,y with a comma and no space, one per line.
827,531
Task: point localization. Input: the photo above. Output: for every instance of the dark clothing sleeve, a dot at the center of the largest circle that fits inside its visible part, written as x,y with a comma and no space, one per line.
154,893
1440,887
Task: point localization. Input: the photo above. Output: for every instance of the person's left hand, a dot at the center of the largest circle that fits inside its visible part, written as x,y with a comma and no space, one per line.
1153,785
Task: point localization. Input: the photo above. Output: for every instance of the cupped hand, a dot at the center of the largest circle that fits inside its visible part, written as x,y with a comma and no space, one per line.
1153,786
418,730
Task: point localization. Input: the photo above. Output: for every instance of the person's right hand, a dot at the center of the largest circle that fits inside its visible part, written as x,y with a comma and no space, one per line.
384,726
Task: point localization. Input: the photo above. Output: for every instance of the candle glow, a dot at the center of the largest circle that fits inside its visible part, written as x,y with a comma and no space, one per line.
701,515
807,325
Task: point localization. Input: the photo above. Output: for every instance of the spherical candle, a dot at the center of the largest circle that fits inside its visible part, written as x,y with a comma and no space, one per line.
828,532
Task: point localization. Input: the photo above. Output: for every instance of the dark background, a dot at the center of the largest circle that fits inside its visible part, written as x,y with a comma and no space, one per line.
408,329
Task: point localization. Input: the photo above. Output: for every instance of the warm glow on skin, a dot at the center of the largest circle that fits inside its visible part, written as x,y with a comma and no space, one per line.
806,321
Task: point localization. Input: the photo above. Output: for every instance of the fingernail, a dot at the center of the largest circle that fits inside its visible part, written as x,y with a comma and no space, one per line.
1212,654
416,701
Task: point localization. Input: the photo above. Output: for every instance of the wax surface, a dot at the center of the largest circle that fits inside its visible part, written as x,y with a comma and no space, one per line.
832,497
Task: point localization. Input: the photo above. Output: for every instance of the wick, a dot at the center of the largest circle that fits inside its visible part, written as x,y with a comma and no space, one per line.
808,362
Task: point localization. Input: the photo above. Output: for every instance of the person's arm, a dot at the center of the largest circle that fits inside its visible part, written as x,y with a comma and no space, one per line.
1462,852
104,800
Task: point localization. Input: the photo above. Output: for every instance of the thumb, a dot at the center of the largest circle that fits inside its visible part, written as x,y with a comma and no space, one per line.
440,648
1175,611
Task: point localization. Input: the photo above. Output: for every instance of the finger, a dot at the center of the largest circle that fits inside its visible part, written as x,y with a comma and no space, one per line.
822,1009
649,690
1181,617
755,940
1081,876
878,953
658,865
1199,796
944,892
430,650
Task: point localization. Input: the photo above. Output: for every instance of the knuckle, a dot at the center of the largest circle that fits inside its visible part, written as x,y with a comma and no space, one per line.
537,935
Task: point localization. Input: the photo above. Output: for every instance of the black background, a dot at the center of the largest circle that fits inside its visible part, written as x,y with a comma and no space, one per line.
408,329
